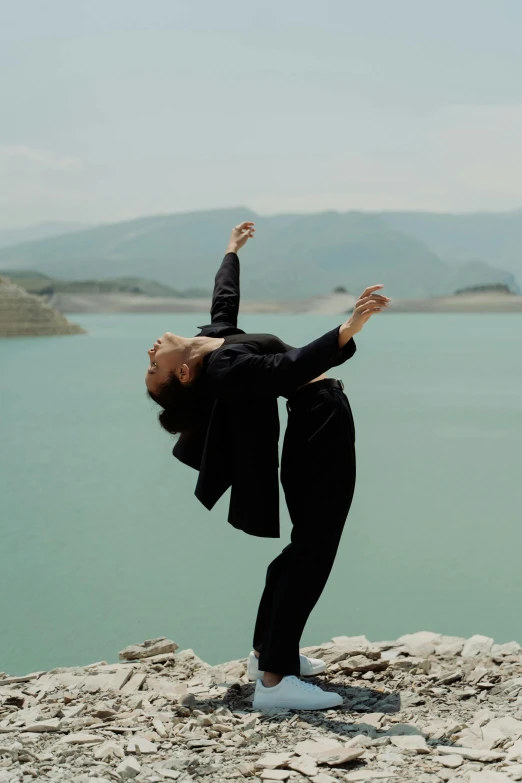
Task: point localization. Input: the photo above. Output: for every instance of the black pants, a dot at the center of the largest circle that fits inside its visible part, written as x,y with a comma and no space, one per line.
318,478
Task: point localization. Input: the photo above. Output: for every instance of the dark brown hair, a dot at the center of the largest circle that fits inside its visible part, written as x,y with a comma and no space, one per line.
184,404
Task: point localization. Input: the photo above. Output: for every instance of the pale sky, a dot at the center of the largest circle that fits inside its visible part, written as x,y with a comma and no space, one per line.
113,109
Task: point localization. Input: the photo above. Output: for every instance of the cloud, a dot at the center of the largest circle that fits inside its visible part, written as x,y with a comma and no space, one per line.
46,159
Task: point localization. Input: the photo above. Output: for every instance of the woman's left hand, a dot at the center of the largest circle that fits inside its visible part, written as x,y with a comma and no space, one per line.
240,236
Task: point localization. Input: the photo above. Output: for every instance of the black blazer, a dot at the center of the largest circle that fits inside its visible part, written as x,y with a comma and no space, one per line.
236,444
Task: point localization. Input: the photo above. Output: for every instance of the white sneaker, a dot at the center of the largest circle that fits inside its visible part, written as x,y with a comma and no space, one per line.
294,694
309,667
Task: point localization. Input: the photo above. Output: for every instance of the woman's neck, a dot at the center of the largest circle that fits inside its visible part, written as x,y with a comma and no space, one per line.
199,347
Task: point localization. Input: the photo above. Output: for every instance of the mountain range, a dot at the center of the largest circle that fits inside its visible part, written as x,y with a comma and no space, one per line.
292,256
15,236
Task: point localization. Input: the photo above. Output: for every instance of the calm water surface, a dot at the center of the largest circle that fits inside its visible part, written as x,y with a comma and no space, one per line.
102,542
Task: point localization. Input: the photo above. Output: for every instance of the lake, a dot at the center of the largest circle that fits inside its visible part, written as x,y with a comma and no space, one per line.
103,543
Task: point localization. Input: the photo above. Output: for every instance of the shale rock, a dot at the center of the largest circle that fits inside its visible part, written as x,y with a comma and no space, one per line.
423,709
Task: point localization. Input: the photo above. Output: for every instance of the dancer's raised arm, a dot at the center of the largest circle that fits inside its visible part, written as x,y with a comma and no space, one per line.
225,300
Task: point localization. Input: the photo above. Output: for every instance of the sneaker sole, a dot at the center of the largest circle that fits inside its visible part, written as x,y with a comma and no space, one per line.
273,710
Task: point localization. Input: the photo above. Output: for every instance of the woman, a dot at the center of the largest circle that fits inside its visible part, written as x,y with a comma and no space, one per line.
219,392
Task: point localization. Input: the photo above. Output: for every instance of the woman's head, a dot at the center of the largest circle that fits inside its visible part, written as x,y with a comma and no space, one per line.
173,382
168,357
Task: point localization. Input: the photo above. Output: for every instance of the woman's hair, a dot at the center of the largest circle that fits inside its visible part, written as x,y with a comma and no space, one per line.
183,404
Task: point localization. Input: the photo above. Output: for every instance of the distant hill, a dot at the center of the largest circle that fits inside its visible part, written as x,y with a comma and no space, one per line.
484,289
37,283
292,256
495,237
23,315
40,231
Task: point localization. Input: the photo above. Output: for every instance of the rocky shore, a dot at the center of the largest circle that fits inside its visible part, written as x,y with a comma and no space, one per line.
23,315
424,708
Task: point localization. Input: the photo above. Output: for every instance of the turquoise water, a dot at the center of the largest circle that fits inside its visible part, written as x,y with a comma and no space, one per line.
103,544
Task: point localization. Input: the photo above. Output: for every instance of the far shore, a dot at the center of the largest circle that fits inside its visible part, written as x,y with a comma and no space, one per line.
487,302
330,304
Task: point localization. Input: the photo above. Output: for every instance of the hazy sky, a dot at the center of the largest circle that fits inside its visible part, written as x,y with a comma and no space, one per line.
117,108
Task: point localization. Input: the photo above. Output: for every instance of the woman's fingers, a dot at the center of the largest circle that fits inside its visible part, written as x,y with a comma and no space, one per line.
246,224
370,290
374,298
369,304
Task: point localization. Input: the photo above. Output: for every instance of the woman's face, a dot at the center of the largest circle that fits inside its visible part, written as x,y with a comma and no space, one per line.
165,358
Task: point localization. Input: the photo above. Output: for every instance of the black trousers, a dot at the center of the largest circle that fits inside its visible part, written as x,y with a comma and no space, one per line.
318,478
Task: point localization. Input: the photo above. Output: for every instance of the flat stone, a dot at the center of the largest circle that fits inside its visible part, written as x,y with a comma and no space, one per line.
73,712
329,654
305,765
81,738
406,664
412,743
369,774
449,646
273,760
403,730
121,677
275,774
361,663
25,678
506,726
135,683
141,745
371,719
488,776
477,645
420,644
360,741
164,658
451,761
515,751
129,768
321,777
473,754
515,772
392,758
41,726
149,649
509,648
201,743
159,728
312,747
103,711
246,769
336,756
108,750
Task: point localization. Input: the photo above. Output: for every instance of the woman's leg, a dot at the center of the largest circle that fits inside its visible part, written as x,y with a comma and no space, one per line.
318,477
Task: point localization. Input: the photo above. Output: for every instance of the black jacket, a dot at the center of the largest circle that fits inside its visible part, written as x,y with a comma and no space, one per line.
236,444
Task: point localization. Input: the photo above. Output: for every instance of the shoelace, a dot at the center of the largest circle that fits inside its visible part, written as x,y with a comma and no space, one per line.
308,686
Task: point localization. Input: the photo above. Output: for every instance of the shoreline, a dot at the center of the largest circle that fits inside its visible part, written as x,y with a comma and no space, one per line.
331,304
424,708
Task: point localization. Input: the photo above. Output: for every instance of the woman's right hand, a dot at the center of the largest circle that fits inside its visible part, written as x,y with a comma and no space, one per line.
240,236
367,305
